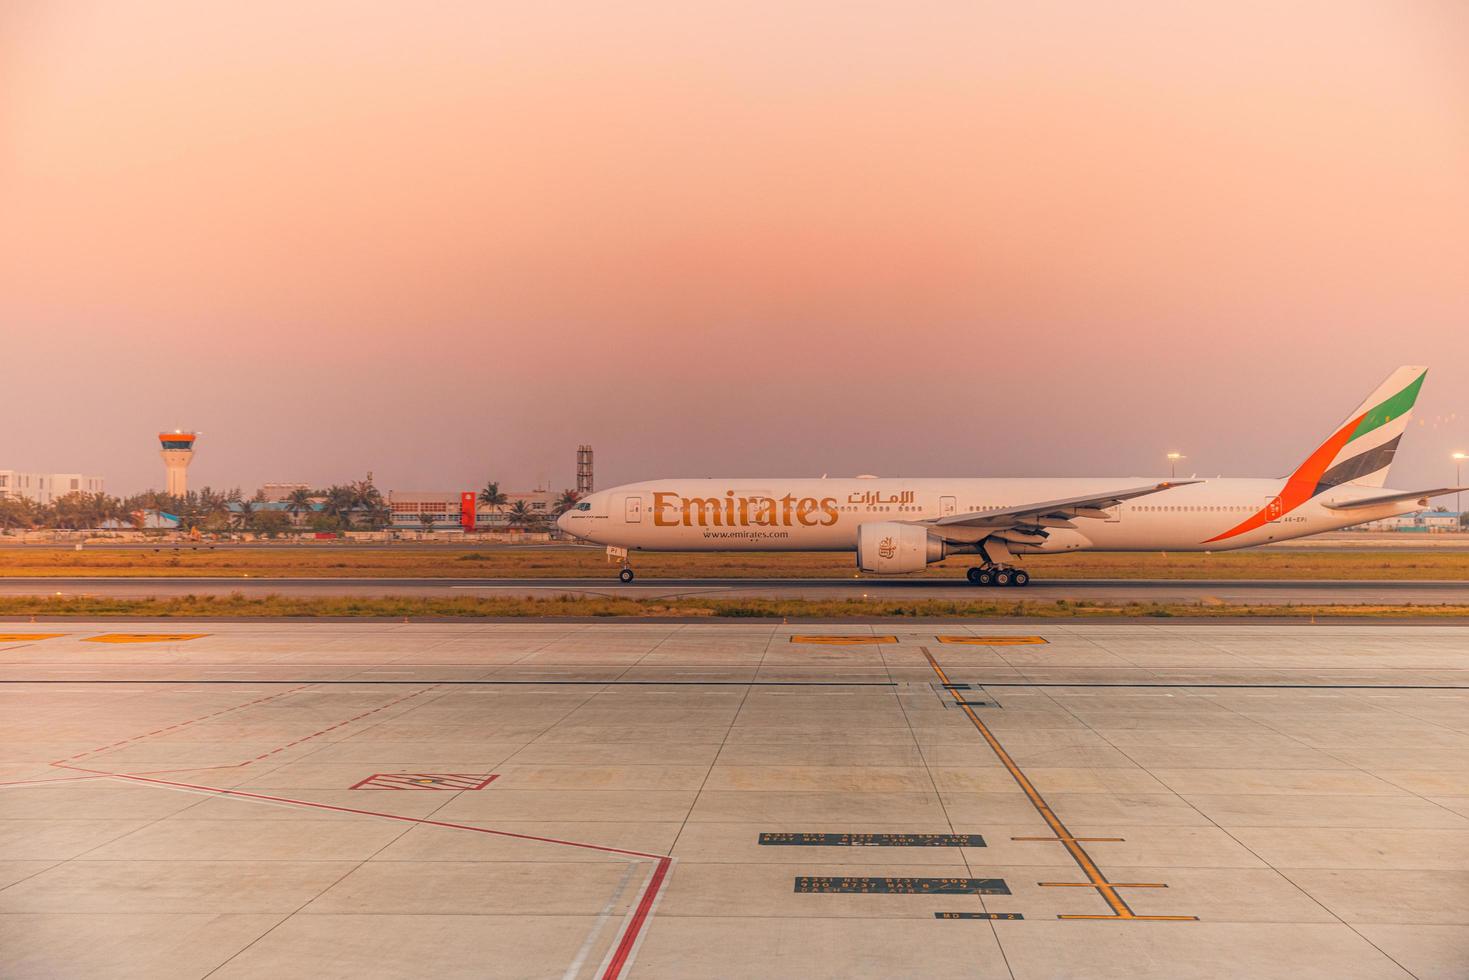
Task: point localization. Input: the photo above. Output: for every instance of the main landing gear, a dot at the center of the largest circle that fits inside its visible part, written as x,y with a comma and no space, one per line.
997,575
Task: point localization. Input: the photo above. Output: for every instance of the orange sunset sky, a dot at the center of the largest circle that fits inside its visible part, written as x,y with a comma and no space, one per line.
449,241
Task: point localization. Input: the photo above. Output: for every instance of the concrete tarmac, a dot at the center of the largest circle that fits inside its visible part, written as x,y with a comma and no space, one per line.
1253,592
732,800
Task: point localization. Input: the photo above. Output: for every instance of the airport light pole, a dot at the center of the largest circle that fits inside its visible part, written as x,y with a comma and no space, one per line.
1173,459
1459,482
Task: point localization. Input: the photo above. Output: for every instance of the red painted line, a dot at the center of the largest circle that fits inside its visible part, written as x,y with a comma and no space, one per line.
639,919
182,724
307,738
236,765
53,779
386,816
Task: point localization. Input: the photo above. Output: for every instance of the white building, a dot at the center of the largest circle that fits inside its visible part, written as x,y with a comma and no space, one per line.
44,488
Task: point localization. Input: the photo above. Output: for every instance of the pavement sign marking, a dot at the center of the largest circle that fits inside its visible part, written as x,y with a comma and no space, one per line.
995,641
20,637
841,640
427,780
143,637
1006,916
903,886
872,840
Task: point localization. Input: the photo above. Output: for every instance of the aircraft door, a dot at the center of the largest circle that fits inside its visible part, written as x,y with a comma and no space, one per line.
1274,509
946,506
633,510
1114,513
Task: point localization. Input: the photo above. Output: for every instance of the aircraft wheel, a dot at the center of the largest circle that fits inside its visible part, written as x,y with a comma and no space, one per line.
1022,577
985,577
973,575
626,575
1004,576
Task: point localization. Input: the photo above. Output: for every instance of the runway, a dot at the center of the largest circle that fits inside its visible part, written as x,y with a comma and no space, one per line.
1252,592
1161,802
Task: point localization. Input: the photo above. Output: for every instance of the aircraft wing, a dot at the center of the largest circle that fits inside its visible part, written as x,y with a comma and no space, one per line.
1042,514
1393,498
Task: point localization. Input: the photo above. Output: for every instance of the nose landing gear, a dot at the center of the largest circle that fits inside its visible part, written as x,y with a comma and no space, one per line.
620,556
997,575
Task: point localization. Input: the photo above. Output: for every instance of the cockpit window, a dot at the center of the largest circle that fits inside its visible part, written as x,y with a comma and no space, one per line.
584,505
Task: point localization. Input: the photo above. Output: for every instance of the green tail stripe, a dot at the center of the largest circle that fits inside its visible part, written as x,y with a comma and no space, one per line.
1392,408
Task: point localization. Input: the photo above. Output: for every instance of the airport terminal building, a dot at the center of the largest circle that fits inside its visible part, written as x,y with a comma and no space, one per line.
44,488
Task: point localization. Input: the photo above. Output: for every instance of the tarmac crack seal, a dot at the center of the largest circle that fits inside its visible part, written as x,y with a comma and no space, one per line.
1095,878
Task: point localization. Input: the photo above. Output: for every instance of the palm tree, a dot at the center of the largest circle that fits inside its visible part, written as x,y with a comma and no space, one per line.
427,520
246,513
520,515
492,498
300,502
565,502
340,500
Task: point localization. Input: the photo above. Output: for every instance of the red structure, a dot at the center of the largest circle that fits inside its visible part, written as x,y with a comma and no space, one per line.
466,510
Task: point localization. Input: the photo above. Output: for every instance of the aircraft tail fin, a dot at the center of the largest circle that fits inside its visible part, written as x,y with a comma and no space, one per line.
1361,449
1358,451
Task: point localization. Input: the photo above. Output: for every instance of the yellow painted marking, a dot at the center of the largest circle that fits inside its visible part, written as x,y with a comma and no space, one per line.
995,641
1137,918
1088,884
16,637
143,637
842,640
1095,878
1087,840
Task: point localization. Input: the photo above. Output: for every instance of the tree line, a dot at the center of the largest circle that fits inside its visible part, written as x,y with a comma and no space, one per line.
357,505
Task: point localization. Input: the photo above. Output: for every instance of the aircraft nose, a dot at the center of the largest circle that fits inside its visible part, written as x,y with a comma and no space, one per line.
564,523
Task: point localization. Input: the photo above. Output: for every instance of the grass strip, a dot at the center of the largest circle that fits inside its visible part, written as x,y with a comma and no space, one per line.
237,605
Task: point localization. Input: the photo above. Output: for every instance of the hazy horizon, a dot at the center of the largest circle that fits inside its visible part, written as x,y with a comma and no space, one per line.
448,244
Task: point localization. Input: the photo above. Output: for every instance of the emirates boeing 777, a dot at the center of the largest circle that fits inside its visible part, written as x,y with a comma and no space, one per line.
897,526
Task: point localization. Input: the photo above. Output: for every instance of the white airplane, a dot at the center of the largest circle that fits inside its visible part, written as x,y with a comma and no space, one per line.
898,526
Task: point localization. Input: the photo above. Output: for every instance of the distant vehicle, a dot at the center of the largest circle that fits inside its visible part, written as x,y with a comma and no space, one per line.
898,526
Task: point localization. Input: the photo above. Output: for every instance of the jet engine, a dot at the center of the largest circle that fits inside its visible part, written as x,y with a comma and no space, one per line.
891,548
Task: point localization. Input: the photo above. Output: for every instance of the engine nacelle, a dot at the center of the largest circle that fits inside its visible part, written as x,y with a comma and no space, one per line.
891,548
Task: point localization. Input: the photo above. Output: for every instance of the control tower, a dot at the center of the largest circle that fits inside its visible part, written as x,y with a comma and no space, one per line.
177,453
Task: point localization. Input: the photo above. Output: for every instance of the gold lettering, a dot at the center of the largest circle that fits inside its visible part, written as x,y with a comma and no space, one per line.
829,508
785,509
729,508
804,510
710,510
766,515
660,500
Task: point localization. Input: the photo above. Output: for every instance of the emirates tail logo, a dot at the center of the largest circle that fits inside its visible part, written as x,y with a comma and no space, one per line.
887,548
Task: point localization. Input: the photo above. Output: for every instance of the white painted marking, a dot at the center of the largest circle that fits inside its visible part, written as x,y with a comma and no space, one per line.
574,969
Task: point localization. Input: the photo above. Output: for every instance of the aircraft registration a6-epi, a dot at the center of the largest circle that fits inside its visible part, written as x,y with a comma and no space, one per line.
898,526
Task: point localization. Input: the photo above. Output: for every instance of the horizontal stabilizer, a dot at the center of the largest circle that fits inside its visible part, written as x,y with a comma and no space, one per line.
1393,498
